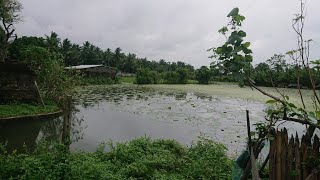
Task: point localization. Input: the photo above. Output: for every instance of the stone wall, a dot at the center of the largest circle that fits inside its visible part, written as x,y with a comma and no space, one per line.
17,83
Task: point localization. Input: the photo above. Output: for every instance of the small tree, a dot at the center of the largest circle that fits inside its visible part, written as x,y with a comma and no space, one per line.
171,77
9,15
203,75
145,76
183,75
236,55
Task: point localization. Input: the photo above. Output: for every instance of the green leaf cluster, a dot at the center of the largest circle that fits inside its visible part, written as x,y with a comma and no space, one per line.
235,55
141,158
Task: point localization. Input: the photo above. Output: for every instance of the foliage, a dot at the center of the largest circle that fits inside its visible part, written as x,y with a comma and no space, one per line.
171,77
21,109
141,158
179,76
182,75
99,80
53,80
88,54
145,76
203,75
9,15
236,58
127,79
235,54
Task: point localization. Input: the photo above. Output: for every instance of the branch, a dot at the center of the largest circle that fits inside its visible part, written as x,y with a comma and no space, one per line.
8,31
302,122
265,93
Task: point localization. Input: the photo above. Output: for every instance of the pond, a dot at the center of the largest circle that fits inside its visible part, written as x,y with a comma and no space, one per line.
125,112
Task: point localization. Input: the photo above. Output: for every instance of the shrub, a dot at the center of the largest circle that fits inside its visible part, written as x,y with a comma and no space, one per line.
53,81
142,158
183,75
145,76
171,77
203,75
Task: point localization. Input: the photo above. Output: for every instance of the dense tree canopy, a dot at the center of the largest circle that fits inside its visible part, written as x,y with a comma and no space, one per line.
87,53
9,15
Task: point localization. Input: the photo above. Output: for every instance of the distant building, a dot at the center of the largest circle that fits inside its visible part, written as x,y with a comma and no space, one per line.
95,70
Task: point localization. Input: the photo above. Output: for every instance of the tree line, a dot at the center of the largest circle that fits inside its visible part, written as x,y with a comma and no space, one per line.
88,53
277,70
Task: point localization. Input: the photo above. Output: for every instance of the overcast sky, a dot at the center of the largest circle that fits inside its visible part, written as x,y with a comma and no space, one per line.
170,29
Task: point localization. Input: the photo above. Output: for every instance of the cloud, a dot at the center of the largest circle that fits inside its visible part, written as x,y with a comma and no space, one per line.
169,29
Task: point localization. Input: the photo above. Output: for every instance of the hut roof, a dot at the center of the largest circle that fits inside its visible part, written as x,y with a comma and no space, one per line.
83,66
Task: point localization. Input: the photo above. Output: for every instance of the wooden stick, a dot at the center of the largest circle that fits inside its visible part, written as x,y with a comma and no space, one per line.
66,121
35,83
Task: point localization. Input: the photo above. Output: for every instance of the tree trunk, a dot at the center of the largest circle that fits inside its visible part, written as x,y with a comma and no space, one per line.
2,56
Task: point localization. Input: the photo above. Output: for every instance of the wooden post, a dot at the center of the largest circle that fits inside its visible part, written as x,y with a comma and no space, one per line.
290,157
278,149
284,153
272,158
66,121
252,161
297,158
36,85
304,156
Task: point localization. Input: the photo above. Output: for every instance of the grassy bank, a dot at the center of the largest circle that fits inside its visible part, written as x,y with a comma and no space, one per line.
127,80
142,158
23,109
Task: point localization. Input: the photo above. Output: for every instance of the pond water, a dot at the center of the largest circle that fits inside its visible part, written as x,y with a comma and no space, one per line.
124,112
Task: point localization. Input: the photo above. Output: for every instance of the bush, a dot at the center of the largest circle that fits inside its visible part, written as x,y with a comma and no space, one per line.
171,77
145,76
53,80
179,76
183,75
142,158
203,75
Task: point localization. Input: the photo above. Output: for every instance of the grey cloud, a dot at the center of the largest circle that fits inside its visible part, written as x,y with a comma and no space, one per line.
169,29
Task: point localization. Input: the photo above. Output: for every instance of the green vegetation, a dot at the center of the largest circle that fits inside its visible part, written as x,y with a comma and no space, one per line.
232,90
146,76
203,75
141,158
9,15
128,80
98,80
22,109
87,53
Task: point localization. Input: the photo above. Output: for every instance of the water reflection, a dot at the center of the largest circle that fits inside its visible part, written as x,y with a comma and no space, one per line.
17,134
21,135
122,113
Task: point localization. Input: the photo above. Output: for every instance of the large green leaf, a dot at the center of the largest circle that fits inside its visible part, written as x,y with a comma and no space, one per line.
247,44
238,19
234,12
248,58
242,33
246,50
